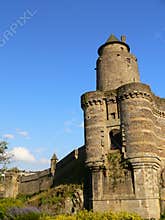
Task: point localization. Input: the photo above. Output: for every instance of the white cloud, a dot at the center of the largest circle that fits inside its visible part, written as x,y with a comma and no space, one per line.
23,133
8,136
22,154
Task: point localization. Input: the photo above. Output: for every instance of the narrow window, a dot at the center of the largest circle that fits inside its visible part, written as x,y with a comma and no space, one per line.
113,115
128,60
116,139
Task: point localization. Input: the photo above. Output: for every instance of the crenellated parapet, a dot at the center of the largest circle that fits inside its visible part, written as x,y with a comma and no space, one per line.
92,98
98,98
143,91
159,106
135,90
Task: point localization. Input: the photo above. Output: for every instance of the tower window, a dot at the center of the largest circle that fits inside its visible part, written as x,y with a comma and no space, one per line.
116,139
113,115
128,60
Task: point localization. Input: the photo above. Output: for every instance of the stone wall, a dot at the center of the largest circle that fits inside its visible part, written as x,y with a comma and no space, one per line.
68,170
18,183
35,183
71,168
9,185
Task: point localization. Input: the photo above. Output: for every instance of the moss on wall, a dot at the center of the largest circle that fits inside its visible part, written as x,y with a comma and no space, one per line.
117,167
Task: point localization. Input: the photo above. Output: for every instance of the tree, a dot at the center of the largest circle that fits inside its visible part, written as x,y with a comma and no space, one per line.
4,156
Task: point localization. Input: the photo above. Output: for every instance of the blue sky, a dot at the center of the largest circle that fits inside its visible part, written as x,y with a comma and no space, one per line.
48,51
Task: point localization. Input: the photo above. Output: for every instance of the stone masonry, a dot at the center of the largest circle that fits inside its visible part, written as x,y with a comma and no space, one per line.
124,136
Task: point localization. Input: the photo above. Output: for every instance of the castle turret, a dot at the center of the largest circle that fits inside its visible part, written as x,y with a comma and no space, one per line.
116,66
54,160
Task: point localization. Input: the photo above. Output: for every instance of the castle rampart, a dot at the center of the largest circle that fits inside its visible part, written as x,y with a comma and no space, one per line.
37,182
71,168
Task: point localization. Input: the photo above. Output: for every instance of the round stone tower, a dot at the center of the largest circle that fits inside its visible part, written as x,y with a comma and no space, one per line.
116,66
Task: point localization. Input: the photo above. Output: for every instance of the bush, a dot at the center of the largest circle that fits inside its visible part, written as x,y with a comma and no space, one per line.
14,209
2,215
85,215
5,204
162,217
16,213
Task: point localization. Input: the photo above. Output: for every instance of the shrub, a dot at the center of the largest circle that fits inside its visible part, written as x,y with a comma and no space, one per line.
2,215
16,213
162,217
85,215
8,203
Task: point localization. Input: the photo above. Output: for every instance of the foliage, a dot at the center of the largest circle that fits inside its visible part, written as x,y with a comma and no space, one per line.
50,202
15,209
23,198
118,167
25,213
53,200
162,217
4,157
8,203
85,215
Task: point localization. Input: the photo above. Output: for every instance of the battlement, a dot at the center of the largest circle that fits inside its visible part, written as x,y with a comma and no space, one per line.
68,170
71,168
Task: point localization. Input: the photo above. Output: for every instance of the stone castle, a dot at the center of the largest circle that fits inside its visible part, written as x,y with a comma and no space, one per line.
122,163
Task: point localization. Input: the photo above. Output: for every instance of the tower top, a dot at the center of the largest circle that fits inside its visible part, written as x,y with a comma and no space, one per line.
114,40
54,157
115,66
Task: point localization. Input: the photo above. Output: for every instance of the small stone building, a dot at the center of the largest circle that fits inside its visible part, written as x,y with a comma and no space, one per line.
124,137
